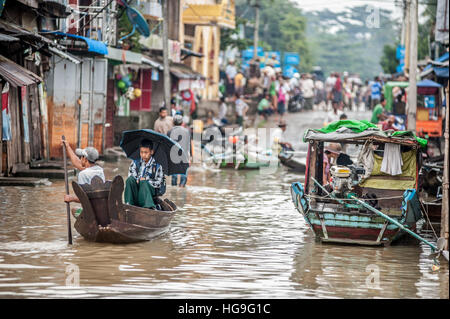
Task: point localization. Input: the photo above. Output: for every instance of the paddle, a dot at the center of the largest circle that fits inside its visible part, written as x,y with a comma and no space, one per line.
69,227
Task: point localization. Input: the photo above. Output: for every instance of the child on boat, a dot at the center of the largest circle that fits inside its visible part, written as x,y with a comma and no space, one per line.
145,178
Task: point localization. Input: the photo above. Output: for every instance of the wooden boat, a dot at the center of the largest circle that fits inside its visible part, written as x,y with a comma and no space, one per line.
105,218
295,164
336,216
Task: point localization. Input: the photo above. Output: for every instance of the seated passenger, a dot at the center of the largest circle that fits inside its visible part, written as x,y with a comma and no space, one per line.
333,156
145,177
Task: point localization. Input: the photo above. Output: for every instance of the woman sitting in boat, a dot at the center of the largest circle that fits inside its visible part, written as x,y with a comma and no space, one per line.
145,178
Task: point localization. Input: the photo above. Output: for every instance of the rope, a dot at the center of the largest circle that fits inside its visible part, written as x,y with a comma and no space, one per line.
428,220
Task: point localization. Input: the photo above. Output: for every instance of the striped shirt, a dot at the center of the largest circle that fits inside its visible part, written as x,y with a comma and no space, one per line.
152,172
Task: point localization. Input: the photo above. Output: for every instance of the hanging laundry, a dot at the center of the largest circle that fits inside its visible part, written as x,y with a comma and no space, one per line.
365,158
392,159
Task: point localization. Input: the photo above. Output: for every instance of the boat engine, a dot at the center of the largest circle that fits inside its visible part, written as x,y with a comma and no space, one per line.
344,179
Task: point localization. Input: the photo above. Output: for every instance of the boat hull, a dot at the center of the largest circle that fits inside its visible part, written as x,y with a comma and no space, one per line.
333,223
106,219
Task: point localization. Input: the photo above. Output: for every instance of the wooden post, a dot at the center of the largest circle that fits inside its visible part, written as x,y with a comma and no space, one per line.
445,186
69,225
1,131
412,89
165,40
256,34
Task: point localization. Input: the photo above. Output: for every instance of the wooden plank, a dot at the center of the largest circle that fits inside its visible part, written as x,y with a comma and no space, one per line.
382,231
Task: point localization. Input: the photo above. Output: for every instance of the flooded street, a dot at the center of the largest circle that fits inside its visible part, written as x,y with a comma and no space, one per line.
236,235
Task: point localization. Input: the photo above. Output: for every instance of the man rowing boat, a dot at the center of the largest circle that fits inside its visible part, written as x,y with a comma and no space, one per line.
83,160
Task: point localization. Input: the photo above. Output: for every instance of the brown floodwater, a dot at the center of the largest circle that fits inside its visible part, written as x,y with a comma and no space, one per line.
236,235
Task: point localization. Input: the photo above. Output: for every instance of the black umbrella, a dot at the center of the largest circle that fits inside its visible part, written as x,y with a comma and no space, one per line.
168,153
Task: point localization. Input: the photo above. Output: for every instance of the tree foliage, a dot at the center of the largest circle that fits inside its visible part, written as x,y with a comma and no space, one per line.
230,37
346,41
282,27
388,60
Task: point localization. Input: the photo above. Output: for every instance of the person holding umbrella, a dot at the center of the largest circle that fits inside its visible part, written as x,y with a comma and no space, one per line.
145,178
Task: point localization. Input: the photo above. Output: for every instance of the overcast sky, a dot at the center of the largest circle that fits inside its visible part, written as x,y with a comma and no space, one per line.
339,5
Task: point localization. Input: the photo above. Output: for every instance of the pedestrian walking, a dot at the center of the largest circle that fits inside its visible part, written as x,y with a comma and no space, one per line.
230,72
164,123
241,109
182,136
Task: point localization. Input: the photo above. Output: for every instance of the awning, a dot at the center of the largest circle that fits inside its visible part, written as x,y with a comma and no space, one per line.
428,83
182,71
64,55
15,74
152,62
90,45
124,56
29,37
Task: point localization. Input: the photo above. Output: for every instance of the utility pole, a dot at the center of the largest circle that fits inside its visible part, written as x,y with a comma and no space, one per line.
255,36
407,34
403,35
412,89
165,40
445,186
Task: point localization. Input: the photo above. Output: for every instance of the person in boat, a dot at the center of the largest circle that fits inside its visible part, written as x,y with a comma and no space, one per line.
278,136
145,178
83,160
333,155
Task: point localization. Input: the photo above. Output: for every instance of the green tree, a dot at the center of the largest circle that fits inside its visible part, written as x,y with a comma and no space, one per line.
282,27
388,60
125,27
230,37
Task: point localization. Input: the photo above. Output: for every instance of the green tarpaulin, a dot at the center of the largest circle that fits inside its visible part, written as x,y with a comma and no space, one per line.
387,91
358,127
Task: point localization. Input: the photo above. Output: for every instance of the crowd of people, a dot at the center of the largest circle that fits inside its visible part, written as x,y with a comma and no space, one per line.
275,94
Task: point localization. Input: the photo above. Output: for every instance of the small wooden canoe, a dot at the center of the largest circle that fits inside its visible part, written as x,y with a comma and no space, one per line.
294,164
105,218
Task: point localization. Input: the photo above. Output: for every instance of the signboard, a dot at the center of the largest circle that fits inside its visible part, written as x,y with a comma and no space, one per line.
400,54
291,58
289,71
430,101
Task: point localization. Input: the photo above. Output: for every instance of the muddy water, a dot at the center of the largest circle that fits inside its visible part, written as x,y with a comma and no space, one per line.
237,235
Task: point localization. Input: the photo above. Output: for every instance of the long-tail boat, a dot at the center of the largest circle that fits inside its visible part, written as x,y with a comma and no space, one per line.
357,207
105,218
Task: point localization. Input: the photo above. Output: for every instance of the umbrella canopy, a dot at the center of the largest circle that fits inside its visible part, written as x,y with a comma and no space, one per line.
168,153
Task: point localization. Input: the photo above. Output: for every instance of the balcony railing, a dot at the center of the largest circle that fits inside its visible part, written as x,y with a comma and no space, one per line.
97,21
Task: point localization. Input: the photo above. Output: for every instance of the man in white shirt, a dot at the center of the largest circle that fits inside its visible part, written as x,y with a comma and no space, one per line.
307,86
83,160
230,72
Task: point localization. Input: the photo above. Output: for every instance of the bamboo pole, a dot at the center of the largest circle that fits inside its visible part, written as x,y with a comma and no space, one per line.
69,225
445,186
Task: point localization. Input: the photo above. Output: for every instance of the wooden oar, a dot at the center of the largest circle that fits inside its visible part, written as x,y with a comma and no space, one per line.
69,226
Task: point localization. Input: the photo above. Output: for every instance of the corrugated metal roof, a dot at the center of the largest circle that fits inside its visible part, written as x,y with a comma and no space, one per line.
15,74
7,38
182,71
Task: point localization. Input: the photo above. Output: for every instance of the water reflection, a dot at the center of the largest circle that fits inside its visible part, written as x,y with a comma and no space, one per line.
236,235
